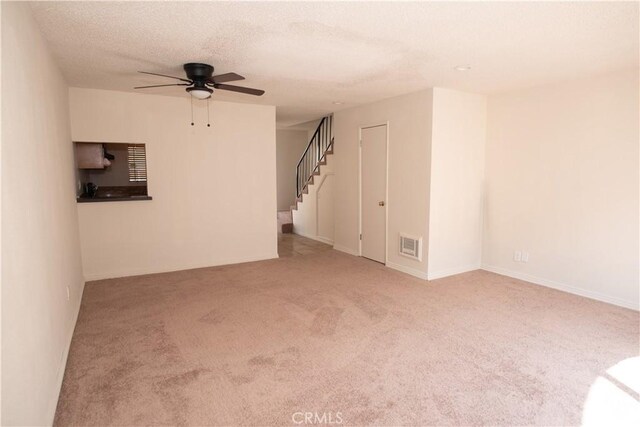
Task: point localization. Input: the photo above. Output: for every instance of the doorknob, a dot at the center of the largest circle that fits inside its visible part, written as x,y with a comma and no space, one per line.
381,203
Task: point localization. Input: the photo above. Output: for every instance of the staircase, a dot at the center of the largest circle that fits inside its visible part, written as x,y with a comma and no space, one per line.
285,222
315,156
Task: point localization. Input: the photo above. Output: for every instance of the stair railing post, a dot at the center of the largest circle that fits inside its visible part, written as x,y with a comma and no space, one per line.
318,145
324,140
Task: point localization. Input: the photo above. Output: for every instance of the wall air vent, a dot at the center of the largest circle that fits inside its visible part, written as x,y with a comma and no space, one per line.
411,247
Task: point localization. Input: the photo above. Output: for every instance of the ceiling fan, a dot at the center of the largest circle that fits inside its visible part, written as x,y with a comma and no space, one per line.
201,81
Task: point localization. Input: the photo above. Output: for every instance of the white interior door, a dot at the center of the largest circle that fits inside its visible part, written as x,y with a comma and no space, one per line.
374,192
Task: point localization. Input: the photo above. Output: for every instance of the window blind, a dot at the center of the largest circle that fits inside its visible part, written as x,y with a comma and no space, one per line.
137,163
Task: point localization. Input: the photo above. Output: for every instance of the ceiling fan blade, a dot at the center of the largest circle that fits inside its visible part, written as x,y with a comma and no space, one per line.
223,78
164,75
174,84
247,90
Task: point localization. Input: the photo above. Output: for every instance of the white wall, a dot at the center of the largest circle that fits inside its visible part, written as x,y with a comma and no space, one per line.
290,144
562,184
313,126
325,208
457,173
40,243
213,189
314,216
409,118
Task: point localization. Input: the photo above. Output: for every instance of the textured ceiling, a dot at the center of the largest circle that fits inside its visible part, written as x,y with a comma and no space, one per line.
308,54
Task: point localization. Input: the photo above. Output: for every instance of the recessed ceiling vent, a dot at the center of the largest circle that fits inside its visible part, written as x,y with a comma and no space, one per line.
411,247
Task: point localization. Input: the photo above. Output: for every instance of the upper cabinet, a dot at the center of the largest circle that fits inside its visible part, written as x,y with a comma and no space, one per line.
90,156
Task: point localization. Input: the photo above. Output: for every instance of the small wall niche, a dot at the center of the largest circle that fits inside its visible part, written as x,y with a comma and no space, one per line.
108,172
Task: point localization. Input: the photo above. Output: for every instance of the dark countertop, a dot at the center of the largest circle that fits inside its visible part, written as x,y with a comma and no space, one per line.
98,199
116,194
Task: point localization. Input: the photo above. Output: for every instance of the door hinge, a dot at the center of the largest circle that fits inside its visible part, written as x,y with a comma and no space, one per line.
360,236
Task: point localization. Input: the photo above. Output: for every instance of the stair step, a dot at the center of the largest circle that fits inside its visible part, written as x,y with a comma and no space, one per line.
285,221
285,217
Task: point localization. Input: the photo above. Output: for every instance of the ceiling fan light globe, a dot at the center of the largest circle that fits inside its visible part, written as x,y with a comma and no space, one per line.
201,93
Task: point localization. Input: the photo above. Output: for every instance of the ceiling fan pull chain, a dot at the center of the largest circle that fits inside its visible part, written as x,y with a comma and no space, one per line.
191,97
208,120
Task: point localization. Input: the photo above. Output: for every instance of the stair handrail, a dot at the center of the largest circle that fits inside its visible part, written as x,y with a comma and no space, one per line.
311,140
319,144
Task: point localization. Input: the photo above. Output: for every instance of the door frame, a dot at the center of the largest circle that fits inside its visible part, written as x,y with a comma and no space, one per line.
386,190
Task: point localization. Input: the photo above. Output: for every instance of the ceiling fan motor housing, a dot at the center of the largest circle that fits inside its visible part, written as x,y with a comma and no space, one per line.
198,72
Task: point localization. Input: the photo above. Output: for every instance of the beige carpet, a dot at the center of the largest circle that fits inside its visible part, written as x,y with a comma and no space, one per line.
337,335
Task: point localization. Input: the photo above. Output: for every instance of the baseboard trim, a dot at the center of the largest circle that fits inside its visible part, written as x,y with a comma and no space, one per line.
65,356
324,240
408,270
633,305
345,250
155,270
316,238
453,271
